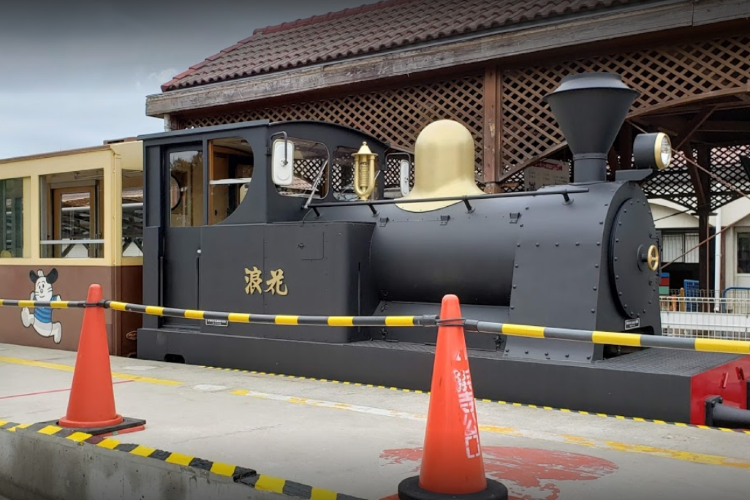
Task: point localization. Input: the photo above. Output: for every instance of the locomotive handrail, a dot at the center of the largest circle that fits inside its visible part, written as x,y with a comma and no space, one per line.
470,325
370,203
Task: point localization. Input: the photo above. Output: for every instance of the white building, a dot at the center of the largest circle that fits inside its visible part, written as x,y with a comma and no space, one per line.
680,234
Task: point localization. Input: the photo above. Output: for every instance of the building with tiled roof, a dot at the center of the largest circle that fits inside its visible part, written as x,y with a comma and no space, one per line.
390,68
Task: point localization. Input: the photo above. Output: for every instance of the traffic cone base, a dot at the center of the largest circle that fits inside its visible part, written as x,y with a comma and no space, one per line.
64,422
452,462
409,489
91,406
125,426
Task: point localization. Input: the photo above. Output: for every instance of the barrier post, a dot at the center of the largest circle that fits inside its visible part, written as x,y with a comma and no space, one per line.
91,405
452,462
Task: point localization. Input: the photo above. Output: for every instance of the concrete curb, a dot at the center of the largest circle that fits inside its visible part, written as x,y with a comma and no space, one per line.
45,462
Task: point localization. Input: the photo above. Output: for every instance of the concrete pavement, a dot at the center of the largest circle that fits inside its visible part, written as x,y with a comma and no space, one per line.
363,441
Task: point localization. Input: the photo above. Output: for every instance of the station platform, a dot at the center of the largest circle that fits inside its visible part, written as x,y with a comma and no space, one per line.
333,440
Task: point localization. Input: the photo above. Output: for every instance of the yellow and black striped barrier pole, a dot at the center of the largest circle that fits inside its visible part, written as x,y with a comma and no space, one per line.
55,304
611,338
275,319
539,332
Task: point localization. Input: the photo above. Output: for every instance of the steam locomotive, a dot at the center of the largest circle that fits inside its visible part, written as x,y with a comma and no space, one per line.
291,218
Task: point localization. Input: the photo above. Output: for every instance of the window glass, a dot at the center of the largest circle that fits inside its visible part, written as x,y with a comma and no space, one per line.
691,241
676,244
11,232
186,188
71,213
392,178
310,169
743,253
132,213
231,171
342,174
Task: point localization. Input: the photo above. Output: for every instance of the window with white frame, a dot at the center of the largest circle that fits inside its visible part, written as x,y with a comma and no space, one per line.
675,246
743,252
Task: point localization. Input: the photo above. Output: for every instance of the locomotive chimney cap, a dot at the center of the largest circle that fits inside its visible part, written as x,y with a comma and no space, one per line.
590,109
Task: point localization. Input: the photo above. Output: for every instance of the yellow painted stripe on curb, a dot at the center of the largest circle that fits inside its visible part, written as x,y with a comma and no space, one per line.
340,321
179,459
616,338
109,443
3,422
142,451
19,426
270,484
525,331
223,469
722,345
318,494
50,430
399,321
68,368
78,437
239,318
194,314
154,310
286,320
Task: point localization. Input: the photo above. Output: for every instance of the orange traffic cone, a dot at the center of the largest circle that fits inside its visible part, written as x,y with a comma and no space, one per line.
91,406
452,462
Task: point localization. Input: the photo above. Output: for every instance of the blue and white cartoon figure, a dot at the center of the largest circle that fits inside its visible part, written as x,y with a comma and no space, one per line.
41,318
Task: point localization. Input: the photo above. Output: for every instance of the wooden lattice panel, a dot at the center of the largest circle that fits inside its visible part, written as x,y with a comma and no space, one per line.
728,165
396,115
661,75
674,183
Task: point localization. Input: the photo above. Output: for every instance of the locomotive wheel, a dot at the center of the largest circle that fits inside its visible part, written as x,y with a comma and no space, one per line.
634,258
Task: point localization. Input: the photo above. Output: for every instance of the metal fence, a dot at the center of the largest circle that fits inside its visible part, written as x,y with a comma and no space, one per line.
700,314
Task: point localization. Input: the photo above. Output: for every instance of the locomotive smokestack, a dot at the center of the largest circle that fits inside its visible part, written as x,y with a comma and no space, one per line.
590,109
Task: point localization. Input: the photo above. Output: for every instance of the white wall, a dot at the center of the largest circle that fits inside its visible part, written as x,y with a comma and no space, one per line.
737,213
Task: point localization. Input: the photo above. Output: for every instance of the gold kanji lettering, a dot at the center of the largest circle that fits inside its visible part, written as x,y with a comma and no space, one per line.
253,280
276,283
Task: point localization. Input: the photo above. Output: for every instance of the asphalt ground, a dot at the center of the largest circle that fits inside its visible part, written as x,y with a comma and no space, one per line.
363,440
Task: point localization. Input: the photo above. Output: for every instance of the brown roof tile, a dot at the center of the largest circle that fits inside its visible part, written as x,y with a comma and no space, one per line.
367,29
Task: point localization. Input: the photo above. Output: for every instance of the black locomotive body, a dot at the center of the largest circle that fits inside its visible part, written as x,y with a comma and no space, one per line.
235,223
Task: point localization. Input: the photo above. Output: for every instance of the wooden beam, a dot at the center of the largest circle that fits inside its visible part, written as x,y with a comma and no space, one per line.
725,126
667,106
626,146
513,42
492,119
695,177
692,126
713,11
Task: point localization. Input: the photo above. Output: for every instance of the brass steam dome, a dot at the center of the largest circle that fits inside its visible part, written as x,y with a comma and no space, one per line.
444,166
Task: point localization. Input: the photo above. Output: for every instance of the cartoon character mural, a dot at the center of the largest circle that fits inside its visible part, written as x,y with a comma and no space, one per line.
41,319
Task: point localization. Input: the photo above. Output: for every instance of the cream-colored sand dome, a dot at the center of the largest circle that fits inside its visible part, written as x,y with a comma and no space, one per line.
444,166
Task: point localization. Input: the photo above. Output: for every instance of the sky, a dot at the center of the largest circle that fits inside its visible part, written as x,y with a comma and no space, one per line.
74,74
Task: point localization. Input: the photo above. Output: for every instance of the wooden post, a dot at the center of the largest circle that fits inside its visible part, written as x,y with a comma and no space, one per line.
492,130
705,257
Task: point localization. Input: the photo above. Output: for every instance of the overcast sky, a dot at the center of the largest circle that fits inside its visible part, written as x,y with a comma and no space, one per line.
73,74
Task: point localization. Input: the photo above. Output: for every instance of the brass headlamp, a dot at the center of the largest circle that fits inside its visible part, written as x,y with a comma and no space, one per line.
364,172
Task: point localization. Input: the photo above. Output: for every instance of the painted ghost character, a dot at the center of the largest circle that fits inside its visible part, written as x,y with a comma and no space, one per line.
41,320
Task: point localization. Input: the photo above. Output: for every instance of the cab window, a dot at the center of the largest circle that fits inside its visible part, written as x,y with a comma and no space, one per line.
230,173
